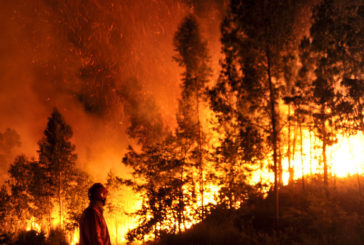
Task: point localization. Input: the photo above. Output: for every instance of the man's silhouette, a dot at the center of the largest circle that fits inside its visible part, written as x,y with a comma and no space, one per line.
93,228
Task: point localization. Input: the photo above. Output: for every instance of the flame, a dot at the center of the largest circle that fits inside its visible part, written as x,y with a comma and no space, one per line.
348,156
75,237
344,158
32,225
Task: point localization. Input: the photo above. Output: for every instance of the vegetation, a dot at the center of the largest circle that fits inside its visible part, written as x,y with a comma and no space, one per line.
305,218
49,192
275,89
265,67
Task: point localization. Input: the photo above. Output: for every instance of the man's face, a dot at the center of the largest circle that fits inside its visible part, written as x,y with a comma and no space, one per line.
103,196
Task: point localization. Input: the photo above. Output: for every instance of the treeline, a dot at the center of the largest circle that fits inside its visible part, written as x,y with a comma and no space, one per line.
42,200
46,193
275,86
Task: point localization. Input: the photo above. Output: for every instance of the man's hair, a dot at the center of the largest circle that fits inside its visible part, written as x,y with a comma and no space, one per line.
95,190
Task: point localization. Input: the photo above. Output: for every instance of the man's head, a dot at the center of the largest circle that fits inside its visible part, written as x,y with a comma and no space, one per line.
97,192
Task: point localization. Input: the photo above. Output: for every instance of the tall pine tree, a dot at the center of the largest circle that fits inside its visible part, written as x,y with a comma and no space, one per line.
57,158
256,37
192,56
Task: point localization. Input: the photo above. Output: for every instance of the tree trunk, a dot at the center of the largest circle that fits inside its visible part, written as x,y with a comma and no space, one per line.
59,198
290,168
274,138
200,153
301,151
311,146
324,144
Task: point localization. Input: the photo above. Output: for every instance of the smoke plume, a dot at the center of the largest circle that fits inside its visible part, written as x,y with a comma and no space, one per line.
106,65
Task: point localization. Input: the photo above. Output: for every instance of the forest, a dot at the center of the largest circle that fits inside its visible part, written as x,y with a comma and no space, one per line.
250,160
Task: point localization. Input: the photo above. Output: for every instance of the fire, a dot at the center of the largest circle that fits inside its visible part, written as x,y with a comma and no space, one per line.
347,156
75,237
344,158
32,225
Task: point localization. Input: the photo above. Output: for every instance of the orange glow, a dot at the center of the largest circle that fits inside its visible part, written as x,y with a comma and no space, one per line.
347,156
32,225
76,237
344,158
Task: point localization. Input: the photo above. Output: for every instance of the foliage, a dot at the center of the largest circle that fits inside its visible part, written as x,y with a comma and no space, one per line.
168,171
329,71
39,187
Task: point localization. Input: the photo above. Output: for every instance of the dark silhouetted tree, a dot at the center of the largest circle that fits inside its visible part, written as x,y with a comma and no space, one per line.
57,158
256,37
336,64
192,56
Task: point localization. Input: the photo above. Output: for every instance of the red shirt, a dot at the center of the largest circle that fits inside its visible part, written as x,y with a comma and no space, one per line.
93,228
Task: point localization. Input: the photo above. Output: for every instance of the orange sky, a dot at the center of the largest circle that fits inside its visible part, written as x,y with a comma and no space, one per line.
45,45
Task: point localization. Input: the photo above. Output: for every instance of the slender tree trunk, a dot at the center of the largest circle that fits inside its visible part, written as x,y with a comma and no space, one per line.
324,145
301,151
290,168
294,143
180,204
274,137
200,154
230,194
59,198
311,146
280,168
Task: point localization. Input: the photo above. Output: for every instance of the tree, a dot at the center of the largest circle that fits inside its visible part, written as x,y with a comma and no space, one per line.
241,140
20,200
256,37
334,91
154,171
57,158
145,120
76,197
4,209
348,34
192,56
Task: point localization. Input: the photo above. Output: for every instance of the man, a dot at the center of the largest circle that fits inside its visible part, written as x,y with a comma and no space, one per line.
93,228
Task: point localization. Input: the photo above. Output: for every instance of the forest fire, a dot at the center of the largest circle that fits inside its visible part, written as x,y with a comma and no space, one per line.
209,122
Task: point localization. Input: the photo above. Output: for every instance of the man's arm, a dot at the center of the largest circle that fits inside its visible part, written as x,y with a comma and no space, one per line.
93,224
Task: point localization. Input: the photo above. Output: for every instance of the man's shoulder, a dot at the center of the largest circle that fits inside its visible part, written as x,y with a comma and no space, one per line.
91,210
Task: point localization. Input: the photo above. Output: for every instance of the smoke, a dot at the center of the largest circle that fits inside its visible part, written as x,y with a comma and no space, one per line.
106,65
9,141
